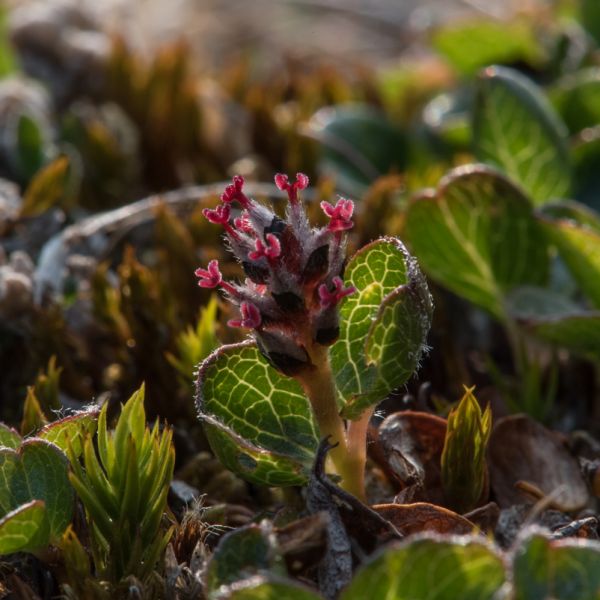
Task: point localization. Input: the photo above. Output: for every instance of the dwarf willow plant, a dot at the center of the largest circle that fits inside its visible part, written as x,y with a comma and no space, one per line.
329,340
124,490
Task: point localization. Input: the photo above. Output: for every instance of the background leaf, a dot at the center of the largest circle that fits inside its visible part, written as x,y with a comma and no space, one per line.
258,422
383,326
577,98
470,45
358,145
557,320
476,235
241,553
578,243
269,588
515,128
430,568
565,570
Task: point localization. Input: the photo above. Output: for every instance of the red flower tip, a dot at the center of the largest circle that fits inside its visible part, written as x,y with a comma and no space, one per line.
282,182
270,250
302,181
329,299
210,277
219,215
243,223
251,318
233,192
340,215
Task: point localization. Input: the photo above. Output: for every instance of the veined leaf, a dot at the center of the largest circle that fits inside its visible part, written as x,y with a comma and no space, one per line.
258,422
383,326
36,471
9,437
430,568
515,128
578,243
71,429
476,236
464,470
565,570
25,528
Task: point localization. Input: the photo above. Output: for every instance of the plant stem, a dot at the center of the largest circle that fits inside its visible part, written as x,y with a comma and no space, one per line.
318,383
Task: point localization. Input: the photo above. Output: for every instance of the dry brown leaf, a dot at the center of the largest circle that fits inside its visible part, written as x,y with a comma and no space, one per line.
522,450
422,516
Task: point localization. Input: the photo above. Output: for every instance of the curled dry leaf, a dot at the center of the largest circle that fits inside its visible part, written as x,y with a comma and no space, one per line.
422,516
410,446
525,455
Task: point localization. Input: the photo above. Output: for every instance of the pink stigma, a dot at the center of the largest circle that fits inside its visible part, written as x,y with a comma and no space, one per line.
233,192
210,277
329,299
282,183
270,250
219,215
340,215
243,224
251,318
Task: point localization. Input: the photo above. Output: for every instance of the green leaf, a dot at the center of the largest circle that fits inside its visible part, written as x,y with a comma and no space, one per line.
464,469
516,129
30,146
242,553
579,246
476,236
37,470
557,320
430,568
25,528
586,175
7,58
9,437
577,99
70,430
470,45
268,588
590,18
258,422
383,326
565,570
359,144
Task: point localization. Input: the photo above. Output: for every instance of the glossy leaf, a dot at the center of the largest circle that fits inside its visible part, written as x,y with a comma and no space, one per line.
383,326
516,129
579,246
36,471
70,430
358,145
464,470
268,588
564,570
241,553
25,528
470,45
430,568
476,235
9,437
258,422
